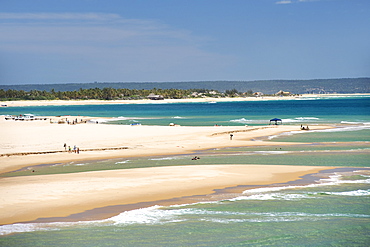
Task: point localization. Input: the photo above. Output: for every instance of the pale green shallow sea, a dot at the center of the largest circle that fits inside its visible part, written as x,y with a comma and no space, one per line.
331,208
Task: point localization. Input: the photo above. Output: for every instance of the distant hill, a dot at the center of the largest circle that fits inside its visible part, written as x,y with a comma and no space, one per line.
344,85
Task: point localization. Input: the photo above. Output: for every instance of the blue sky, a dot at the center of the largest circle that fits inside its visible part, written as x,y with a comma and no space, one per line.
60,41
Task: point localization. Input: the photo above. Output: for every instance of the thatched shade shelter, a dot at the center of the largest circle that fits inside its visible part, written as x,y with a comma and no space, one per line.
276,120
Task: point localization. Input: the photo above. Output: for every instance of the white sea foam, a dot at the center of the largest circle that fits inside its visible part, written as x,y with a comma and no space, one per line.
336,179
241,120
307,118
350,193
288,120
150,215
339,129
121,118
277,217
32,227
163,215
348,122
177,117
272,152
300,119
250,121
17,228
271,196
166,158
122,162
285,134
268,193
332,151
343,129
160,215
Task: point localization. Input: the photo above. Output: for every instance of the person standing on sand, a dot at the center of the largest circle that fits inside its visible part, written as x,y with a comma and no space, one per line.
78,150
65,146
231,136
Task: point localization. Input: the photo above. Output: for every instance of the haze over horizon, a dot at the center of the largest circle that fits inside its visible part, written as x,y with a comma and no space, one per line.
171,40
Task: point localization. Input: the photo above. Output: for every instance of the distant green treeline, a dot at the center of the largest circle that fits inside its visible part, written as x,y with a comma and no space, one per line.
114,94
343,85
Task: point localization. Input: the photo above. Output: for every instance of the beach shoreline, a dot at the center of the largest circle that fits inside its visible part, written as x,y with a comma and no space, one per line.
188,100
28,143
61,195
216,195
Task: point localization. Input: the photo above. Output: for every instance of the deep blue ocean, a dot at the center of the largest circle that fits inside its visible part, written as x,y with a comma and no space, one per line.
331,208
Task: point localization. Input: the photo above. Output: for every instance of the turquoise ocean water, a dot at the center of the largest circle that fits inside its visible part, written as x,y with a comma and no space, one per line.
331,208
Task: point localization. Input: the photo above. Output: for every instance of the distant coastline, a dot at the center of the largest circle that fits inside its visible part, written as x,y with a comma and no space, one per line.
20,103
308,86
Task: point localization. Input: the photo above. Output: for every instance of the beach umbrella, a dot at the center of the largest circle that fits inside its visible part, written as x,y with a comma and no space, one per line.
276,120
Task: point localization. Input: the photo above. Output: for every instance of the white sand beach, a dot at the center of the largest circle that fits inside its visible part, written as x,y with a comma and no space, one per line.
23,137
147,101
32,197
26,143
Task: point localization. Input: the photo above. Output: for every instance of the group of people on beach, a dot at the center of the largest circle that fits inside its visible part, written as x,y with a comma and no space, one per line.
75,149
75,121
66,120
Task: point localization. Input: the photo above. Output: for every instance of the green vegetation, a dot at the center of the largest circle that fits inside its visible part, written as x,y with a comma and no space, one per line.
179,90
115,94
344,85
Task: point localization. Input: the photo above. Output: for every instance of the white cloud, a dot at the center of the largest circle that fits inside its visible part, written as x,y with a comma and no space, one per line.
295,1
58,16
284,2
105,47
92,29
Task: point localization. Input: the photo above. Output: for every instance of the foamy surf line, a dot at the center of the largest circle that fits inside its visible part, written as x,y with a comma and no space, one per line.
269,193
363,126
164,215
302,120
115,119
154,215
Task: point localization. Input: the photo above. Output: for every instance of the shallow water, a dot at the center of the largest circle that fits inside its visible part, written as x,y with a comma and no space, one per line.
339,154
306,112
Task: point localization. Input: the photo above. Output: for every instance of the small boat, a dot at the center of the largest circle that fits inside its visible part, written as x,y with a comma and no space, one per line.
25,117
9,117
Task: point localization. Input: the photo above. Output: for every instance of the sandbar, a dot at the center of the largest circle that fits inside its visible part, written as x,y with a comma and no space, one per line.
60,195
